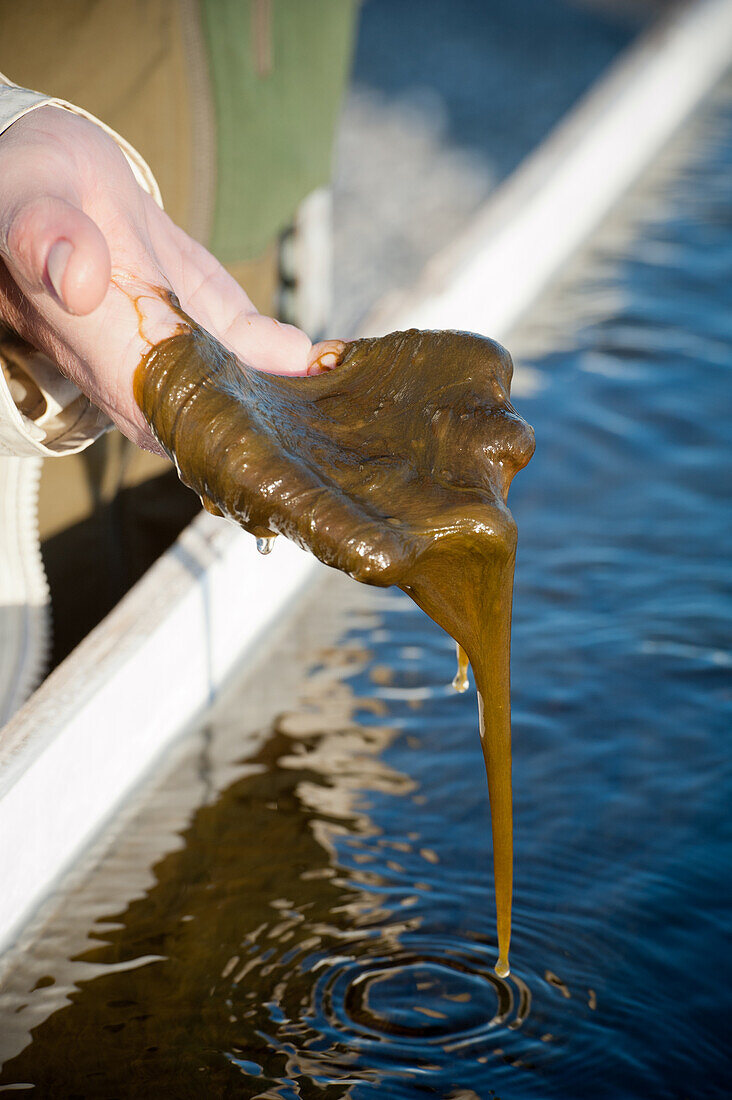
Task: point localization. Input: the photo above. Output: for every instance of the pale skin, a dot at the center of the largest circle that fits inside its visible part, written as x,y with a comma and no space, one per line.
81,247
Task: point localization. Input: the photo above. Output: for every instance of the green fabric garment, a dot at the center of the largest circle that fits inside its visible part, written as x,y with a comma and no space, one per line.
278,69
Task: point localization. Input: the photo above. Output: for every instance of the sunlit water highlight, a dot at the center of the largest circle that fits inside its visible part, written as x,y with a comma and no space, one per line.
325,927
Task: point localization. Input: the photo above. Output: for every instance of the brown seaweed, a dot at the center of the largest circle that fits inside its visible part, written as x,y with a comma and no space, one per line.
393,467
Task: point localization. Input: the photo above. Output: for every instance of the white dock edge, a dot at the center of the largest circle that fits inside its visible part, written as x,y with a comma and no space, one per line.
94,728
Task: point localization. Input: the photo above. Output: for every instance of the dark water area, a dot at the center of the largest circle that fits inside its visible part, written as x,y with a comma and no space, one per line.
324,925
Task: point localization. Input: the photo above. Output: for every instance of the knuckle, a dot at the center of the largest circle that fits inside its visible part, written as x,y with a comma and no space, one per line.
20,234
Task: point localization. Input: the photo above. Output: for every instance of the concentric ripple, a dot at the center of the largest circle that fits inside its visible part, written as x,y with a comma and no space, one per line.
431,999
416,1003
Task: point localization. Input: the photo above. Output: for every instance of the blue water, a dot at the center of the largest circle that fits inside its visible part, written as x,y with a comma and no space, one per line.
326,928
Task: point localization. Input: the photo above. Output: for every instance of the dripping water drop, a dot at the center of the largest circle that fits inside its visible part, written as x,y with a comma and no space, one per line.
502,968
460,681
265,544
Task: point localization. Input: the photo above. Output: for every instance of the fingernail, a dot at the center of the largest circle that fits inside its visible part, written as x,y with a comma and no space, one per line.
56,263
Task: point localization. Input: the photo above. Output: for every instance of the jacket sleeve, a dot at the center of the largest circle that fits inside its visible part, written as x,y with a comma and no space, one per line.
41,411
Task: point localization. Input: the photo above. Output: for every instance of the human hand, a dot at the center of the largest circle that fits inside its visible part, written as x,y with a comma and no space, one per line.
84,254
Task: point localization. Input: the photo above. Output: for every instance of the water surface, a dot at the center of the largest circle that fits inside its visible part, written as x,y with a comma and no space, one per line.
322,926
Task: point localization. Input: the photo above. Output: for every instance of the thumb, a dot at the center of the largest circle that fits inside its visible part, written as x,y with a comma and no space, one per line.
53,246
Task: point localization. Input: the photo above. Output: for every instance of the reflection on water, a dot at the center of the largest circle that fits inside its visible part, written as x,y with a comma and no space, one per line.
290,938
323,925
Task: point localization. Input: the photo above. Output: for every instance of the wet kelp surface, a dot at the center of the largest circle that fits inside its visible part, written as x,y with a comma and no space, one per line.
393,466
324,926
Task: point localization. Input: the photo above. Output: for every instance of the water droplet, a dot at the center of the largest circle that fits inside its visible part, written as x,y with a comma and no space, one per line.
461,682
264,545
502,968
